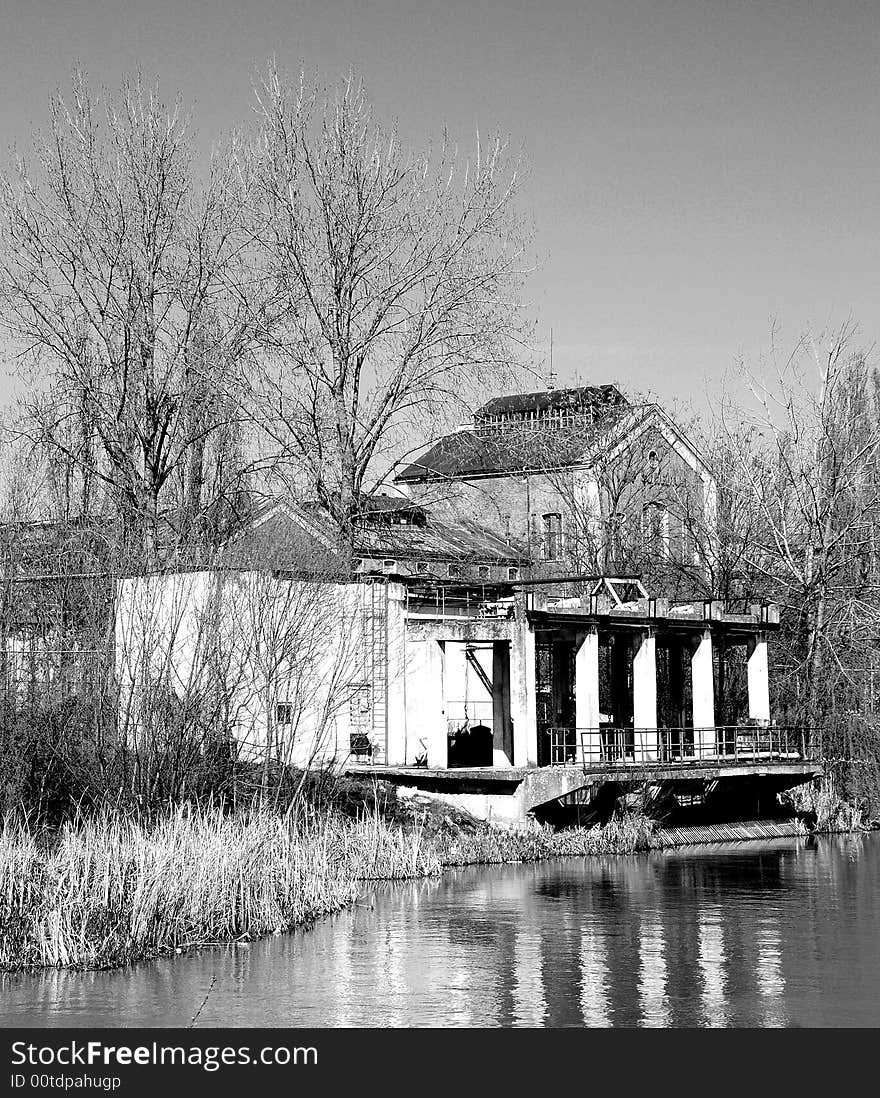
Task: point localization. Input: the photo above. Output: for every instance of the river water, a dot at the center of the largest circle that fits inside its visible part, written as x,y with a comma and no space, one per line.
781,933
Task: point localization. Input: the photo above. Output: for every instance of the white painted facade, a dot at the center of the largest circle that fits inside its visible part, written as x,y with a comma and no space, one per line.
281,658
316,671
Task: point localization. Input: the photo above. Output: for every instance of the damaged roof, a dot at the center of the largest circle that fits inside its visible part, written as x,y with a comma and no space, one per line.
526,447
585,398
525,444
476,453
303,535
436,540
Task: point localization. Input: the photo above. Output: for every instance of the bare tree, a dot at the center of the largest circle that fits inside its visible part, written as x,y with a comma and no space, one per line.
114,269
295,638
804,475
392,278
256,658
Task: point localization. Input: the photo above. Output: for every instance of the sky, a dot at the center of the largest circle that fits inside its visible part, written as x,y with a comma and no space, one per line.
697,170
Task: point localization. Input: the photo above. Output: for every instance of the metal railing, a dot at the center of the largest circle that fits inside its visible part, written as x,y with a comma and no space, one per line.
720,744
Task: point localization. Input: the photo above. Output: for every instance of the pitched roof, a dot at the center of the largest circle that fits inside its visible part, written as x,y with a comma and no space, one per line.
476,453
436,540
525,443
526,447
382,504
302,535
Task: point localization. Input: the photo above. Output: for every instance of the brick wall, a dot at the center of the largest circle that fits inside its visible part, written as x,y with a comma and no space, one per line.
649,472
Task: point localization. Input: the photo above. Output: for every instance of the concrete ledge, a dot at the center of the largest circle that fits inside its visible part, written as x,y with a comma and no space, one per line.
451,774
508,794
630,772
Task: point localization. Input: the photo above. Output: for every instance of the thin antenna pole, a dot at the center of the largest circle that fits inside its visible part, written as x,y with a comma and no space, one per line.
551,377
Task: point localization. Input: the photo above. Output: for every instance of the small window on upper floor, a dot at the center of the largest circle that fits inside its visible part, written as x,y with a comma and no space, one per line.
655,527
284,713
552,537
512,574
389,565
453,570
483,572
422,568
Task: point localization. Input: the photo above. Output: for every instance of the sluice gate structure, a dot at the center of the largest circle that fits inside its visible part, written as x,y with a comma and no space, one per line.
507,701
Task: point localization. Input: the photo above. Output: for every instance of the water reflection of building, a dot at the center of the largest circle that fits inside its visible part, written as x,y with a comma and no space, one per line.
743,935
768,972
712,961
595,994
653,995
528,980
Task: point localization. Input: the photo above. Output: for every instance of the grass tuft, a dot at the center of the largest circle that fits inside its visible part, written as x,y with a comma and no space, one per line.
108,890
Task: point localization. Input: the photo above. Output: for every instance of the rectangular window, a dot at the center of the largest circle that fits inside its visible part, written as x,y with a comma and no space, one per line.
284,713
552,539
453,571
422,568
655,527
483,572
513,574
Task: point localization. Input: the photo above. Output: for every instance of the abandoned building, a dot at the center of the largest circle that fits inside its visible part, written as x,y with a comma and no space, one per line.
53,614
484,645
579,478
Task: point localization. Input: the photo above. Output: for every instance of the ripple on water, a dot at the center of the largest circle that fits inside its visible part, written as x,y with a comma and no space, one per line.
773,934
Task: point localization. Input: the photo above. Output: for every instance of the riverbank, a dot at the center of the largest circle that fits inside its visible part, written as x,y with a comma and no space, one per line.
748,934
109,890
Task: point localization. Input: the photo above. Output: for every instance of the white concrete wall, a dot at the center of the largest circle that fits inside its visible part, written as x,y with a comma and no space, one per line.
523,700
425,712
398,747
266,641
257,639
759,680
703,692
645,697
586,671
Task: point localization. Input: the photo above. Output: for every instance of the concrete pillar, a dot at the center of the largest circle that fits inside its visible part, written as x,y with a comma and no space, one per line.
502,741
396,682
523,708
425,709
586,695
645,697
759,679
434,704
703,691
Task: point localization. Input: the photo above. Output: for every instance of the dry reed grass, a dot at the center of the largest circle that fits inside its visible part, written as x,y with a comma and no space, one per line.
832,812
111,889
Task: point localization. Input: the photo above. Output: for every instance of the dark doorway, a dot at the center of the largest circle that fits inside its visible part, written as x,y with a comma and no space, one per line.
616,696
731,684
674,698
555,704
